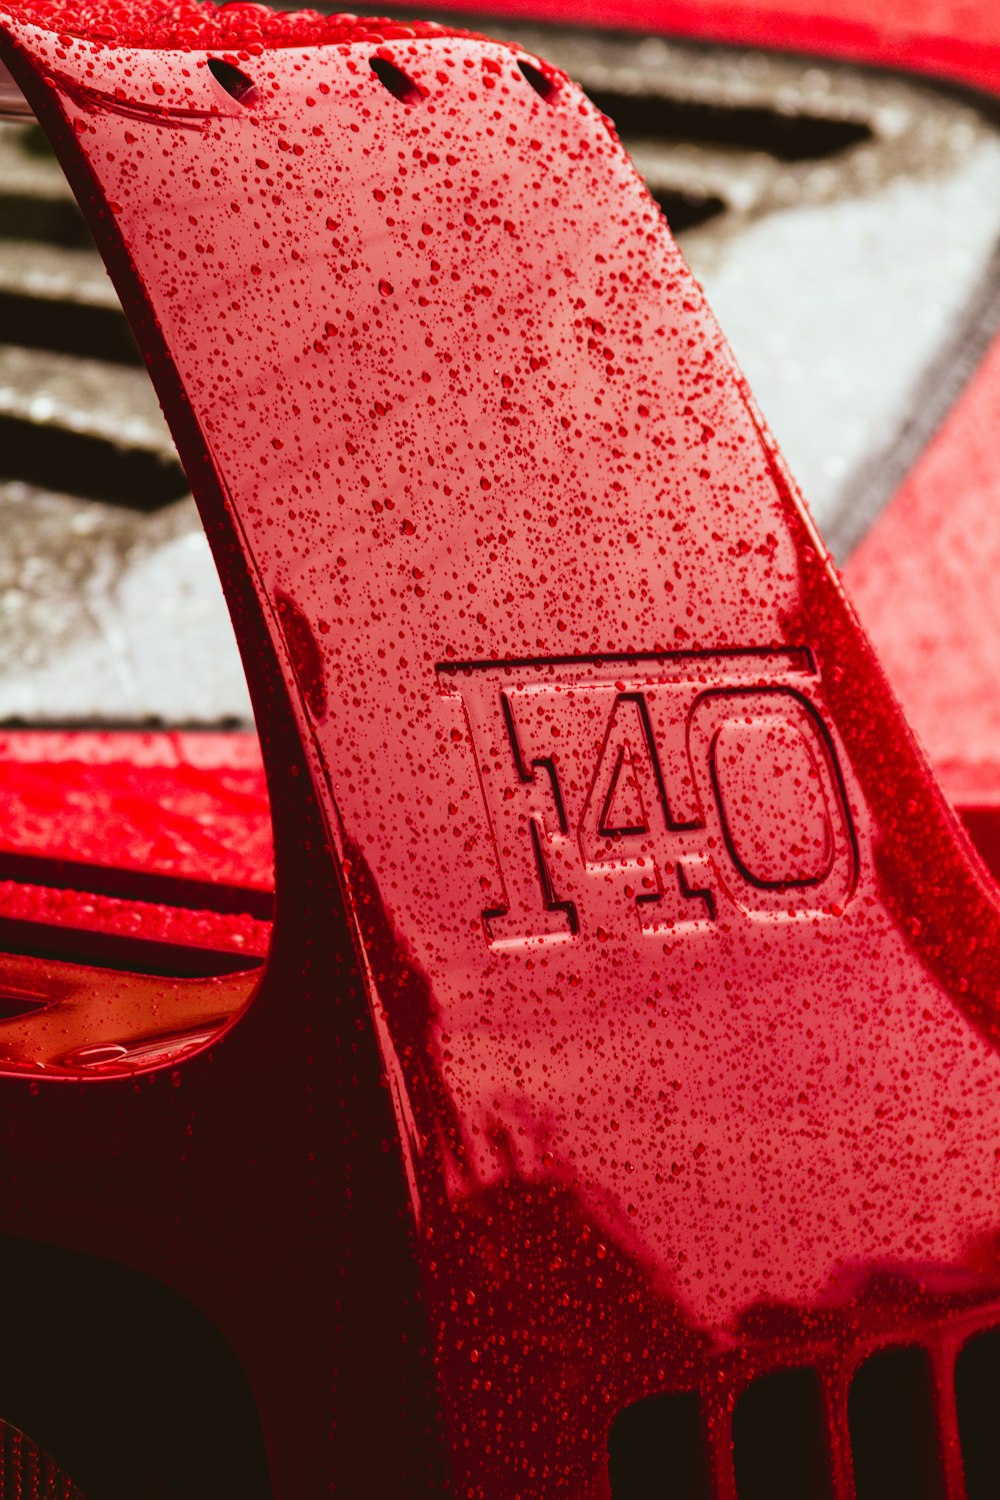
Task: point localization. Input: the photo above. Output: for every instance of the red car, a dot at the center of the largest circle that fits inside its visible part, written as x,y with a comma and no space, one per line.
615,1110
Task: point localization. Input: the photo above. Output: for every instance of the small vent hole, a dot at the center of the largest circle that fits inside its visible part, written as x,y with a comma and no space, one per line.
977,1395
398,83
894,1432
237,84
657,1448
543,86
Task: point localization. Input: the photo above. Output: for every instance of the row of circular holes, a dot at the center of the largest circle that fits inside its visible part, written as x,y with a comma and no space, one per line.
398,83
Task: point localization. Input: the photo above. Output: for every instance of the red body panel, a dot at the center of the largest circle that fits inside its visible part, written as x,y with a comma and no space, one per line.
193,806
630,1024
925,584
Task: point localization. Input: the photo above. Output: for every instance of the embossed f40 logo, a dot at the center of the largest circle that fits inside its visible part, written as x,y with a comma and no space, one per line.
650,790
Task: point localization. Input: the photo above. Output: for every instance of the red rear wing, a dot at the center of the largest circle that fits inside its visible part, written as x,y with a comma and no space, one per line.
592,806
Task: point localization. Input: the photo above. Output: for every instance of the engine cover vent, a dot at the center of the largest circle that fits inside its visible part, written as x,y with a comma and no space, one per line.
905,1408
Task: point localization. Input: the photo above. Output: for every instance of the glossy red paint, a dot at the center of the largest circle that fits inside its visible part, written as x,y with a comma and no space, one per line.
630,1023
925,584
192,806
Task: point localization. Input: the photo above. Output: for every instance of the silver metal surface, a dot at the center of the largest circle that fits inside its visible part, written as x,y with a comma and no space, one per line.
845,227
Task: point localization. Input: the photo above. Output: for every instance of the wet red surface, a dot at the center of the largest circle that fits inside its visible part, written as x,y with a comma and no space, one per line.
925,583
191,806
195,23
633,992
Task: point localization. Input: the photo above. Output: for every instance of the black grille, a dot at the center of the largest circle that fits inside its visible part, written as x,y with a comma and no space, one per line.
779,1438
911,1417
659,1446
977,1391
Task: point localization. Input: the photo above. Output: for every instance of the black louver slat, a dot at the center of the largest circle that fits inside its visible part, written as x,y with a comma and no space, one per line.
910,1417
